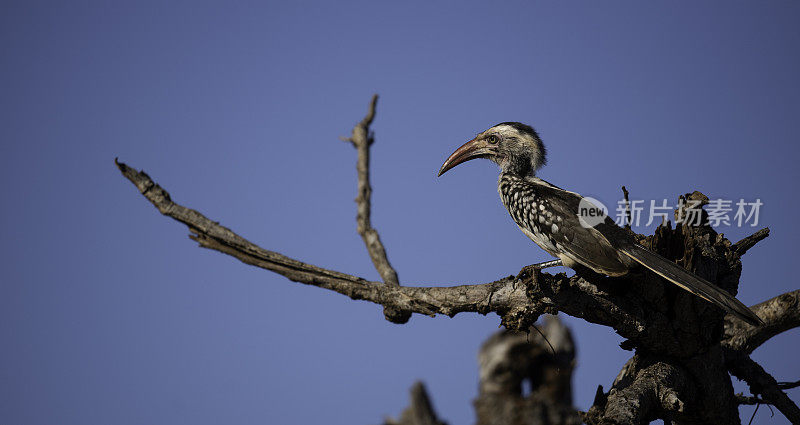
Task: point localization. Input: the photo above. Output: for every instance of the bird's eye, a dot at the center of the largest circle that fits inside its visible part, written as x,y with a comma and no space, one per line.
492,139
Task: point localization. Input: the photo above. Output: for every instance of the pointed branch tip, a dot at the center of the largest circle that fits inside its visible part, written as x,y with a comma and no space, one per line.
744,245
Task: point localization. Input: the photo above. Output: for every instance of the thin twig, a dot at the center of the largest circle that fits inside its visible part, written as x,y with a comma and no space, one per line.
543,336
741,247
750,422
627,208
361,139
788,385
761,383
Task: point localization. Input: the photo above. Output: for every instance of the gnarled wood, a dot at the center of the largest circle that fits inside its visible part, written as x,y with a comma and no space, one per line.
513,361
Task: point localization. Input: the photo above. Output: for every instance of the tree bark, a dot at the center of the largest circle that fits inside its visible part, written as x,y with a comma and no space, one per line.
526,378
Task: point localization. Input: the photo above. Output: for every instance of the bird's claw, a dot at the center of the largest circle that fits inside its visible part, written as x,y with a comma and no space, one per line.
528,272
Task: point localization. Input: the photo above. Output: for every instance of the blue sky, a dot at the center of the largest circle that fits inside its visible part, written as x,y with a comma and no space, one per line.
110,314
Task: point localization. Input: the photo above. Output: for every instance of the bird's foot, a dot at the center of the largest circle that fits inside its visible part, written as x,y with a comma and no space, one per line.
534,270
528,272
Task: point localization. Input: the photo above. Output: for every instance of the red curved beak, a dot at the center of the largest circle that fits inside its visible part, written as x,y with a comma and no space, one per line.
473,149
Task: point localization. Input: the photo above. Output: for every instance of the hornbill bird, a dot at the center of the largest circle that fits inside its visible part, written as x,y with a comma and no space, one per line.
549,216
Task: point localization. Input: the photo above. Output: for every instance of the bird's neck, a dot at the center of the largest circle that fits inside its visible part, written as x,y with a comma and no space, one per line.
519,167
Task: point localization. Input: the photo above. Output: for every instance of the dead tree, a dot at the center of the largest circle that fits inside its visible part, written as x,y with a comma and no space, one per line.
685,350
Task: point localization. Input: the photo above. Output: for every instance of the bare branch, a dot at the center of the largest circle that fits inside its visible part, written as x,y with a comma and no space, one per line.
761,382
779,314
627,208
788,385
741,247
361,140
517,304
429,301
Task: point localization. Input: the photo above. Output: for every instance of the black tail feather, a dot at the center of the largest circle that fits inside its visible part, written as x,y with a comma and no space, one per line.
688,281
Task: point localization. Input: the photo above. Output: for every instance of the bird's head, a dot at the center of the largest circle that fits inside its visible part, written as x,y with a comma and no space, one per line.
514,146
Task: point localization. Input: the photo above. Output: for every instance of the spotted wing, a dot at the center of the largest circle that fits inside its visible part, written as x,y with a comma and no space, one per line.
549,216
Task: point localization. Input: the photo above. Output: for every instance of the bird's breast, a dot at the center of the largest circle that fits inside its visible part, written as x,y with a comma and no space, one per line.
533,216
